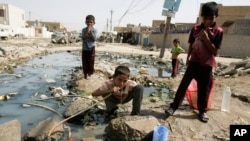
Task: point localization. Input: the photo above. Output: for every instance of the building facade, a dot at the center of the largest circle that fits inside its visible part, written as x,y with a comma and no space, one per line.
235,20
230,13
51,26
12,19
12,16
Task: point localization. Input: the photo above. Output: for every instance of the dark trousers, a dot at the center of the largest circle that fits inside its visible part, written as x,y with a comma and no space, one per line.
136,94
203,76
175,64
88,61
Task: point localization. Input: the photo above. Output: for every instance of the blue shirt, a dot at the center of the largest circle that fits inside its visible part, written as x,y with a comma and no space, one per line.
88,43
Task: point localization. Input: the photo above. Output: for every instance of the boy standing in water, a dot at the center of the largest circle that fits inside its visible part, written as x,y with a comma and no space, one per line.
122,90
176,50
205,39
89,34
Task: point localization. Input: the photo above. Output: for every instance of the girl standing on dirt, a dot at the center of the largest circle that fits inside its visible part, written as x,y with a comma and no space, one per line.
176,50
205,39
89,34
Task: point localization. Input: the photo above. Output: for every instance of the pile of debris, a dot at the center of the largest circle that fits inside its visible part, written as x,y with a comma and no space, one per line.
234,69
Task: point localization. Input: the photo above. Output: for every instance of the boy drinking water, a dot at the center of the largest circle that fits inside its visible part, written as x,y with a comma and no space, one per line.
122,90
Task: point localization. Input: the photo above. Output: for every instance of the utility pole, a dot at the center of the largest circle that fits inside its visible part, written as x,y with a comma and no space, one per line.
111,29
107,26
170,7
29,16
167,25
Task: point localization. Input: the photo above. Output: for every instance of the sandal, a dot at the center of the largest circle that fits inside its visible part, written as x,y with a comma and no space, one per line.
203,117
170,111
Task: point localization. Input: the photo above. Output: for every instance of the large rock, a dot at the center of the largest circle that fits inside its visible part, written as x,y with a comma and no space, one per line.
78,105
91,139
130,128
10,131
230,70
41,130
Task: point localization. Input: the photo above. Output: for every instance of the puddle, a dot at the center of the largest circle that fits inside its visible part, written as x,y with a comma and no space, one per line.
31,85
34,82
137,62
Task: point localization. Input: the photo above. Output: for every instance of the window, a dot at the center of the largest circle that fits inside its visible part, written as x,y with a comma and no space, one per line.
1,13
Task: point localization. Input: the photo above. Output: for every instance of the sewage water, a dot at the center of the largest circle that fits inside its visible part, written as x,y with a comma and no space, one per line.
34,82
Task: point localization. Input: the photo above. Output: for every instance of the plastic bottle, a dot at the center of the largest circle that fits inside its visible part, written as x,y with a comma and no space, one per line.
225,105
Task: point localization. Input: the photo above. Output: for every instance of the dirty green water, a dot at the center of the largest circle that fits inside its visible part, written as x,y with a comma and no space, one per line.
34,82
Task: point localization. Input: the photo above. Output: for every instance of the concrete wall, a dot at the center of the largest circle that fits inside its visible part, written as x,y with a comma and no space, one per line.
229,13
16,16
51,26
236,46
13,16
240,27
157,39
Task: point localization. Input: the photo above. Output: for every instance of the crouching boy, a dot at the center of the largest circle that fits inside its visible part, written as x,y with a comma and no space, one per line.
121,90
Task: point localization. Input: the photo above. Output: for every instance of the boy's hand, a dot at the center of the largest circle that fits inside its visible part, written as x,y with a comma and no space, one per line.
116,89
90,29
203,35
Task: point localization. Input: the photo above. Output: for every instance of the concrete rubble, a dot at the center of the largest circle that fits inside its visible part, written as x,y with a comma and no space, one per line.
40,131
78,105
130,128
10,131
234,69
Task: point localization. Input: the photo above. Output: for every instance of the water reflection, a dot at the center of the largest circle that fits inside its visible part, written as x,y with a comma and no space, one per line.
31,85
34,82
136,62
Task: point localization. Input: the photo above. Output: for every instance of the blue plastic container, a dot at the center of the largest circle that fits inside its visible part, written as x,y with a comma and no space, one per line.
160,133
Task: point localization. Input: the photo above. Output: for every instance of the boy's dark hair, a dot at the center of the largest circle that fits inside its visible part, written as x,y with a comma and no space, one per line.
122,70
176,40
210,9
90,17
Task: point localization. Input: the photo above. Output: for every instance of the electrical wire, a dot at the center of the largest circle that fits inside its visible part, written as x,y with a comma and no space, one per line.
143,8
125,12
131,6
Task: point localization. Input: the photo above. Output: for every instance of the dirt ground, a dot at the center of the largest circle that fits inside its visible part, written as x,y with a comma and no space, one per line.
184,125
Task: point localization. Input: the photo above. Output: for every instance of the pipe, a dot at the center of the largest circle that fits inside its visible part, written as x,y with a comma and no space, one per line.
78,113
45,107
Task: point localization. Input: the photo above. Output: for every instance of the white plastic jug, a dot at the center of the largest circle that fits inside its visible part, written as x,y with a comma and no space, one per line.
225,105
160,133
